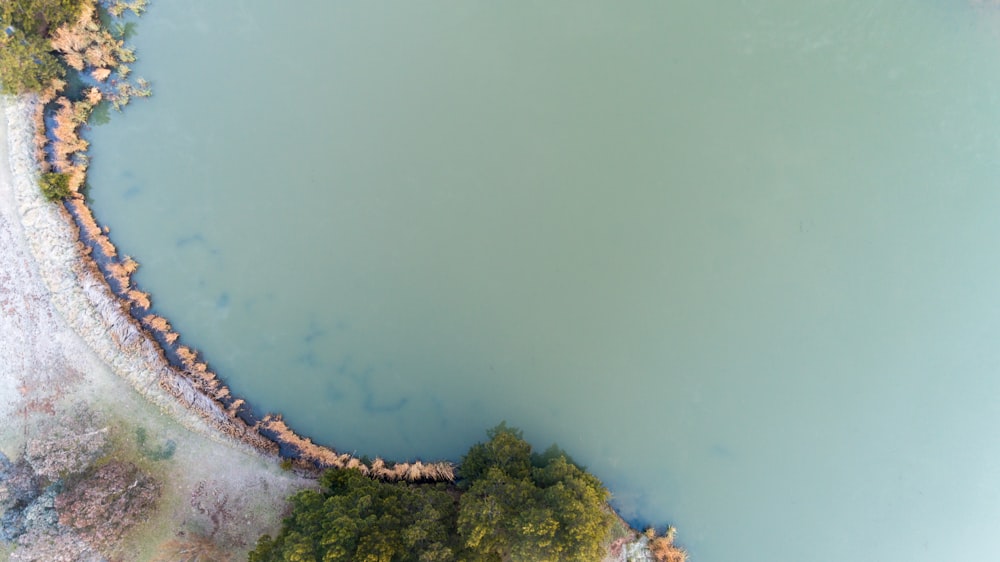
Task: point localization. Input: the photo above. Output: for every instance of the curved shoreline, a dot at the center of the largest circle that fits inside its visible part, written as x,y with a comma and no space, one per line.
83,297
81,292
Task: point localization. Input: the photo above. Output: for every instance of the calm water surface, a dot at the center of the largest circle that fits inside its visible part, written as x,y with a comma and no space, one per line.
741,262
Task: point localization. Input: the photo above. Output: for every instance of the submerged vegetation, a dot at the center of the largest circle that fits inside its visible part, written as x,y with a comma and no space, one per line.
509,504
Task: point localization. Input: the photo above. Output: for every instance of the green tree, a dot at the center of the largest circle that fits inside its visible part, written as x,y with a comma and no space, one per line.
27,64
55,186
513,511
355,518
513,507
506,450
38,18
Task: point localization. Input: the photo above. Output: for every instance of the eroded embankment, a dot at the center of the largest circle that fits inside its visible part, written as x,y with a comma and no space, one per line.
92,289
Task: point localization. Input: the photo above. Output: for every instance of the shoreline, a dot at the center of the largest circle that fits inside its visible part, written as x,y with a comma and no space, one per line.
63,241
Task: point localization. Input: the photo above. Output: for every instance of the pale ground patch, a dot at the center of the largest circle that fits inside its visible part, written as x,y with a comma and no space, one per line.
46,366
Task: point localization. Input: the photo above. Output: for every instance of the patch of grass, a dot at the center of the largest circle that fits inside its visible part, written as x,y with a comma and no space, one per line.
160,452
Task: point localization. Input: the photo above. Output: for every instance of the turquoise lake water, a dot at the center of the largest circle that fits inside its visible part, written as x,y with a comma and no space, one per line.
739,260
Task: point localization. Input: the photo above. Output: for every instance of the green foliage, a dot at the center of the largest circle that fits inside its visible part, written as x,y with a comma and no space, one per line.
519,512
38,18
55,186
506,450
101,114
355,518
123,30
513,506
287,464
27,64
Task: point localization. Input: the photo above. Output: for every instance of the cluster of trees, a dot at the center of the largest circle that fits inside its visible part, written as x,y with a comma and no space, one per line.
33,33
27,59
510,504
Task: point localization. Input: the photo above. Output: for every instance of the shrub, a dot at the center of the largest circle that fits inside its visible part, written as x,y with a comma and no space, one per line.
104,505
55,186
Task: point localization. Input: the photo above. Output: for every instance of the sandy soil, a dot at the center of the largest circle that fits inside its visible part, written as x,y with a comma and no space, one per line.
60,350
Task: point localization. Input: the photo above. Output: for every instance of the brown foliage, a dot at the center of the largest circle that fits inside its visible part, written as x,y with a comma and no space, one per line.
89,226
68,148
38,118
107,503
139,298
94,96
192,547
663,548
85,40
101,74
328,458
156,323
182,389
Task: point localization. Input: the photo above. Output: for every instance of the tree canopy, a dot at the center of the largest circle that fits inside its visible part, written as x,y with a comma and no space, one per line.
355,518
27,64
523,507
27,60
38,18
510,506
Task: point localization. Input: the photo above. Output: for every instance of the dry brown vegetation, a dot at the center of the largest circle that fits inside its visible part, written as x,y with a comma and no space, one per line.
68,149
663,548
193,547
324,457
87,44
38,118
89,226
102,507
